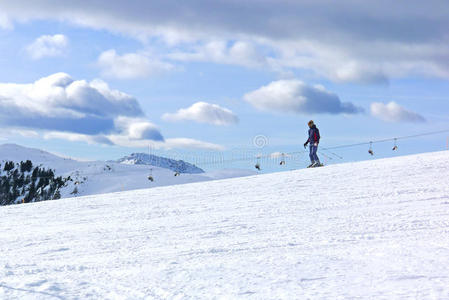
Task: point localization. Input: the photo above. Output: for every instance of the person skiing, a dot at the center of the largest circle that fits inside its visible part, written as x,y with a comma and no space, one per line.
314,139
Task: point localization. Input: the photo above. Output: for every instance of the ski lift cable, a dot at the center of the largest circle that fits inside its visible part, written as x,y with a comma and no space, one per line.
386,140
334,154
258,158
287,154
326,156
336,147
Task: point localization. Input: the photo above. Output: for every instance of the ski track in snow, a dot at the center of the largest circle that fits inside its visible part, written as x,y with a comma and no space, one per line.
371,230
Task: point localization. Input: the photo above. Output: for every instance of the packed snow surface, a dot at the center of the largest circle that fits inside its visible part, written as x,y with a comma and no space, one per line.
376,230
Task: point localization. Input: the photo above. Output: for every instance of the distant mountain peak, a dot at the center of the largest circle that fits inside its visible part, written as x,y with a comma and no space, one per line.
162,162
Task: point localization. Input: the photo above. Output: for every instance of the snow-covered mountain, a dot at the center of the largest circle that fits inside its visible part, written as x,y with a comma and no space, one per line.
16,153
97,177
179,166
367,230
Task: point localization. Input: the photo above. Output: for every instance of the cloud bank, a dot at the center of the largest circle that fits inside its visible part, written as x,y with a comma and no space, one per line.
48,46
393,112
203,112
60,103
369,41
81,111
294,96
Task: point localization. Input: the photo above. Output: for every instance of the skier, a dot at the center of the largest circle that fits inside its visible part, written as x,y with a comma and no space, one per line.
314,139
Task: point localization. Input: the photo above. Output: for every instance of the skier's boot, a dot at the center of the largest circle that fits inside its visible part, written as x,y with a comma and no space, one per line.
311,165
317,164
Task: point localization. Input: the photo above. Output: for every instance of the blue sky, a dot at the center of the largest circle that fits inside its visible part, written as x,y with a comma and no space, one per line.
104,79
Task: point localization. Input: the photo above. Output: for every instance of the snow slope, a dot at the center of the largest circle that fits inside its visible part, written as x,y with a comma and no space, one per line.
371,230
98,177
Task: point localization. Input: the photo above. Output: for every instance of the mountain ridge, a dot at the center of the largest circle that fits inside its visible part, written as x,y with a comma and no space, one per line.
179,166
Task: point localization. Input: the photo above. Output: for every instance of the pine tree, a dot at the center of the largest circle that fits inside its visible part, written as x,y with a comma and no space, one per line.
35,174
9,165
26,166
57,195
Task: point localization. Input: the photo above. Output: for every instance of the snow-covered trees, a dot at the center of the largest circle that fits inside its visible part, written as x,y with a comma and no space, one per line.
22,183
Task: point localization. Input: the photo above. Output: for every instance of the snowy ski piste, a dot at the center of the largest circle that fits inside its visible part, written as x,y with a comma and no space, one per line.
376,229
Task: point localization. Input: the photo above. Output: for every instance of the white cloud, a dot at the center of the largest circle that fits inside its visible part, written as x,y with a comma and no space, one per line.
8,132
60,103
169,143
192,144
60,96
294,96
24,133
5,23
219,51
131,65
48,46
393,112
138,128
203,112
76,137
